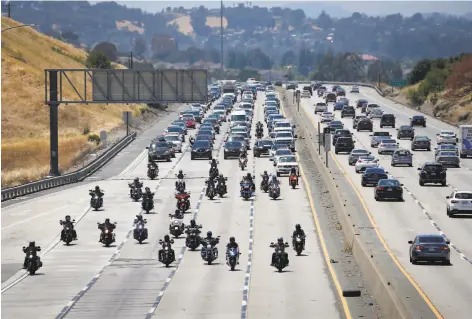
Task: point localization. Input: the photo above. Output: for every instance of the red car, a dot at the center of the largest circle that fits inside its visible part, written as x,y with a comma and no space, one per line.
189,121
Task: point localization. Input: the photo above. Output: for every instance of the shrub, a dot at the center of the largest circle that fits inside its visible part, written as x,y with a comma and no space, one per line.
94,138
415,97
97,60
461,74
433,82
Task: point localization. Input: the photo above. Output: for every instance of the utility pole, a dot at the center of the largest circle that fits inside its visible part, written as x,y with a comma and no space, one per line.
9,5
131,60
221,42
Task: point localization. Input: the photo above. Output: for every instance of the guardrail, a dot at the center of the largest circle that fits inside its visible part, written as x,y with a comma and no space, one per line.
74,177
354,83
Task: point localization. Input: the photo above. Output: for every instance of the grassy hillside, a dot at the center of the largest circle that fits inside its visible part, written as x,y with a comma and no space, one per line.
25,117
183,23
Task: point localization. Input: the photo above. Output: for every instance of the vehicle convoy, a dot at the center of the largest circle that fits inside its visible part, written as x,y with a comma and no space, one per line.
465,140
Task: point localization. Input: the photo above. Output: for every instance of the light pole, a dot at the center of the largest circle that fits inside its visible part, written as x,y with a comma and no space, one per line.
20,26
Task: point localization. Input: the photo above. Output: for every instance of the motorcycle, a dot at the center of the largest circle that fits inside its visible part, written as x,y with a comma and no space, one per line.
168,255
140,233
274,192
221,189
242,163
183,202
136,193
147,204
107,237
191,140
298,245
213,172
265,184
95,201
246,191
176,227
32,264
210,192
193,239
68,236
293,181
279,262
209,251
232,258
152,172
259,133
180,184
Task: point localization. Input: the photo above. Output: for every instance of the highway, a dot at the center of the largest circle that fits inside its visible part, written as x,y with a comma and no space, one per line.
87,280
424,210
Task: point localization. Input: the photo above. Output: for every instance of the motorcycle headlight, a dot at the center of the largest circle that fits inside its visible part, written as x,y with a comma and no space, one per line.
167,248
106,231
67,228
140,226
30,256
298,239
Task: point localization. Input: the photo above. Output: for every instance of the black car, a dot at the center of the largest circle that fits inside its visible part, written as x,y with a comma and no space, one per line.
356,120
388,189
159,151
207,138
365,124
341,133
291,86
309,89
372,176
361,103
418,120
421,143
344,144
330,97
433,173
387,120
348,111
405,131
340,92
231,149
262,147
201,149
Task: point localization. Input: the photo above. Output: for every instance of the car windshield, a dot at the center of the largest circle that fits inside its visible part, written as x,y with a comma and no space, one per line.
447,133
422,138
448,154
187,118
238,118
359,152
264,143
243,134
418,117
342,133
447,147
285,159
179,122
172,138
368,158
326,114
238,129
389,182
205,132
430,168
201,144
463,196
233,144
283,152
431,239
174,129
336,123
276,116
403,153
389,141
374,171
159,145
405,128
236,138
219,107
284,134
203,138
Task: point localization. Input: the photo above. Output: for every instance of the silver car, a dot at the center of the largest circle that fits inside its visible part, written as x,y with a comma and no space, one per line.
355,89
321,107
355,154
402,157
387,147
376,114
447,158
376,139
446,147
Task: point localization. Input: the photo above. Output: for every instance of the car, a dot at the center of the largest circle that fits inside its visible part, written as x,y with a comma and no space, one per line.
276,147
291,86
321,91
366,161
355,89
262,147
207,131
197,114
278,153
335,125
421,143
387,147
182,124
376,114
340,92
284,125
446,137
377,137
240,138
158,150
388,189
286,141
355,154
338,106
172,129
341,133
365,124
458,203
305,94
434,173
321,107
370,108
356,119
334,88
348,111
238,129
430,248
283,134
447,158
402,157
446,147
222,114
418,120
326,117
361,103
206,138
405,131
201,149
232,149
343,99
175,139
214,117
344,144
246,136
387,120
330,97
285,164
372,176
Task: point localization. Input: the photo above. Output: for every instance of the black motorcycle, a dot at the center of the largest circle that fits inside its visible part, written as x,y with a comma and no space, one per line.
232,257
147,204
298,244
221,189
96,202
67,235
211,191
265,184
168,255
193,239
280,261
209,252
140,233
136,194
32,263
152,172
177,226
107,236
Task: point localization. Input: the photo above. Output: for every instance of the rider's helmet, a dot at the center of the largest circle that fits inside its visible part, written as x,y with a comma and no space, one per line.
97,188
181,172
213,161
209,234
166,238
193,223
136,179
265,172
280,241
32,243
232,240
107,220
67,218
148,190
248,175
298,227
221,176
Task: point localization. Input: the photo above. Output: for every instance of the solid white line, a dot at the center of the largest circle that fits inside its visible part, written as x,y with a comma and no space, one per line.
34,217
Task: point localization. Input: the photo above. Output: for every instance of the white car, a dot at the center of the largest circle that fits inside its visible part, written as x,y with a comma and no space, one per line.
367,161
279,153
387,147
376,114
282,134
285,164
176,140
305,94
327,117
459,202
447,137
221,114
355,89
274,149
321,107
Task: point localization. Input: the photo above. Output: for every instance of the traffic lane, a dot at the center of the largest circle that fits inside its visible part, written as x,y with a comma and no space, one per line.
212,291
400,222
128,287
304,287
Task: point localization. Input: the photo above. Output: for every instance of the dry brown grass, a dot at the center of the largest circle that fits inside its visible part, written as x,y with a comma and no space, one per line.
25,117
128,25
214,22
184,26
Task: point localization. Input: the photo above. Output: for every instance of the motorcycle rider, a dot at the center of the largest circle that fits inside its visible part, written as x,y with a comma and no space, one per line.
193,227
152,165
136,184
32,249
106,225
279,246
298,232
97,191
167,242
248,179
265,175
180,178
221,182
293,172
213,164
209,239
68,223
232,244
274,181
148,194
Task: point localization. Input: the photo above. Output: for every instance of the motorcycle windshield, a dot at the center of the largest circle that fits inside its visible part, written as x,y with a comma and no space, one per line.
246,185
233,252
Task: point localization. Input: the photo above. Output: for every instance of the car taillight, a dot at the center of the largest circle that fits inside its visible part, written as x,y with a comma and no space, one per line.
444,248
359,161
419,247
380,188
454,201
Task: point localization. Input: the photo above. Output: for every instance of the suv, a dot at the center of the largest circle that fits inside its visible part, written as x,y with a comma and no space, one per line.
348,111
418,120
344,144
377,137
433,173
387,120
365,124
309,89
331,97
356,120
341,133
340,92
321,107
370,108
405,131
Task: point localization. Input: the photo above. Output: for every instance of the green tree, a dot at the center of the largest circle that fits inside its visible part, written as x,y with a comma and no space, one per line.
419,71
107,49
97,60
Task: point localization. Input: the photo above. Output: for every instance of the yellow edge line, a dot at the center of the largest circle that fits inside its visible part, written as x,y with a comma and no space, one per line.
382,240
347,312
